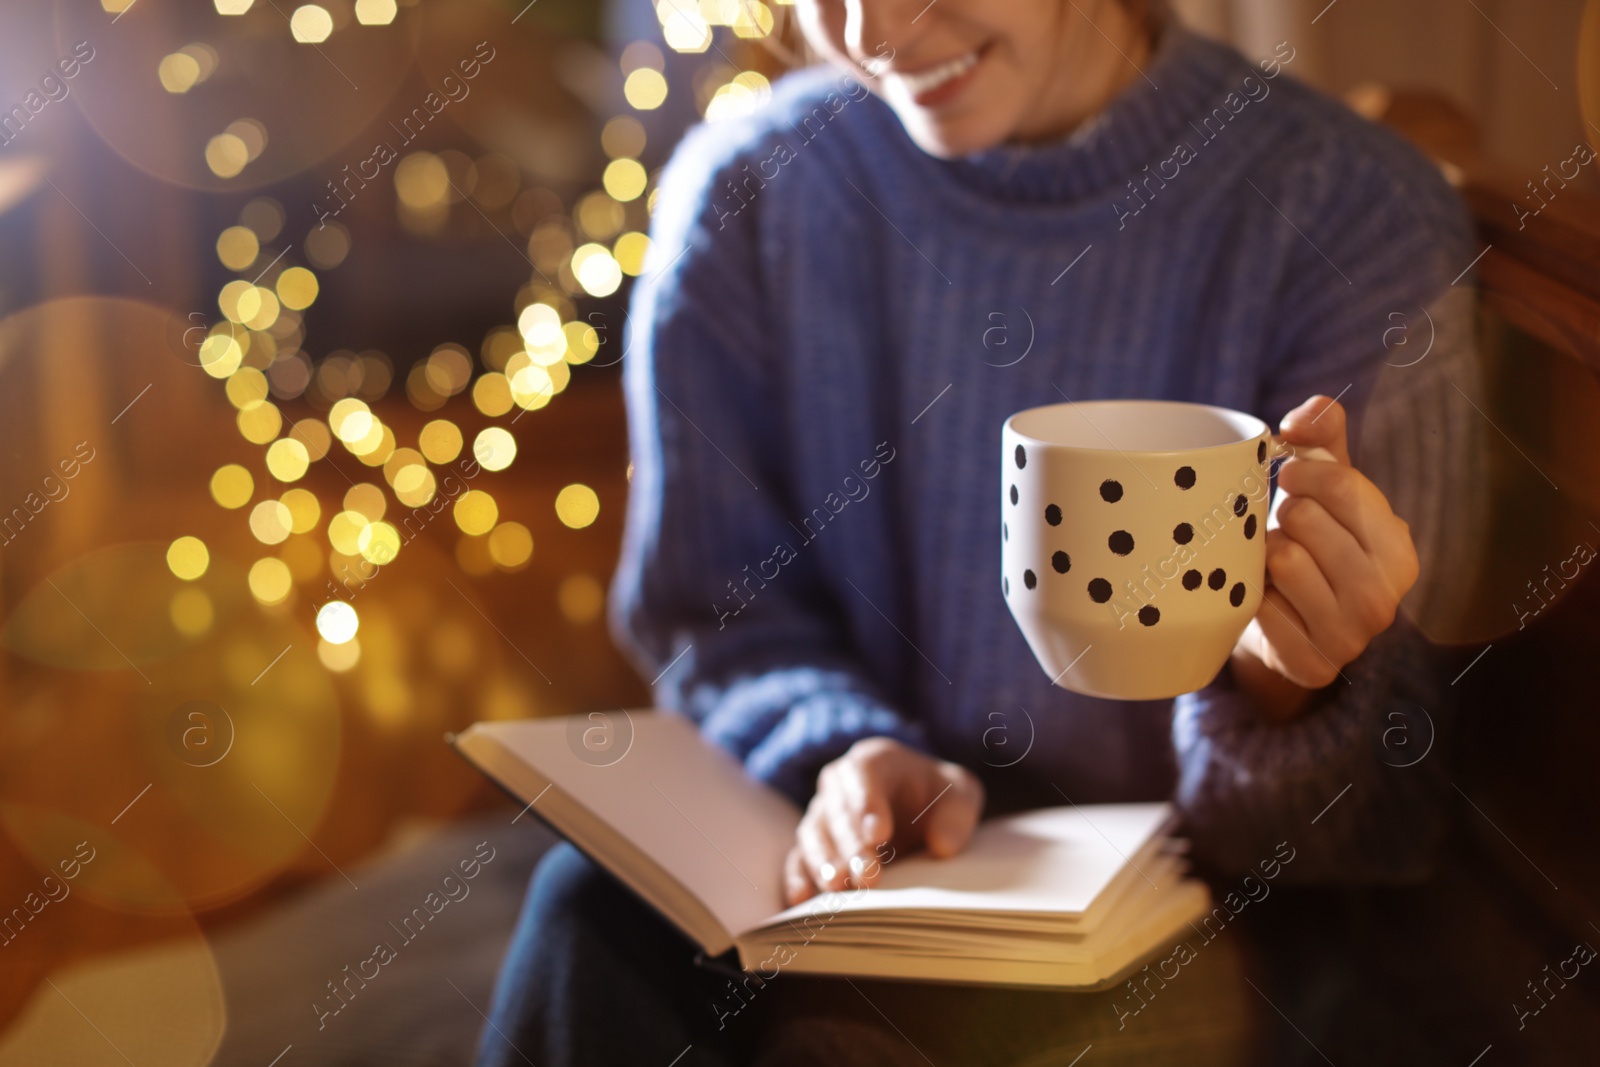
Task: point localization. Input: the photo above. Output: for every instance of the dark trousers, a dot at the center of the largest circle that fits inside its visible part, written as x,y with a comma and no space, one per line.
595,977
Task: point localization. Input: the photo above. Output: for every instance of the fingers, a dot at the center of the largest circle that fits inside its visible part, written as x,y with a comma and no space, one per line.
1355,503
1285,646
953,816
1317,423
797,885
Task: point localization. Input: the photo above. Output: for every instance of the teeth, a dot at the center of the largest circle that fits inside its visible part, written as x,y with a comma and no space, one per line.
920,83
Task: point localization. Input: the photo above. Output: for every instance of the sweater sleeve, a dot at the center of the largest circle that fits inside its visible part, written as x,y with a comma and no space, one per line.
1358,782
737,630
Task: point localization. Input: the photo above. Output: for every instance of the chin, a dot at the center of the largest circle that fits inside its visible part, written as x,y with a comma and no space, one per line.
952,139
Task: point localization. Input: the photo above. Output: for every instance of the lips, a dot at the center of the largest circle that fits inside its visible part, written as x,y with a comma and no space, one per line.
933,85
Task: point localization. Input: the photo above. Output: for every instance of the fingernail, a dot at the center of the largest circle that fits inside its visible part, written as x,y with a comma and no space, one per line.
828,872
869,827
858,866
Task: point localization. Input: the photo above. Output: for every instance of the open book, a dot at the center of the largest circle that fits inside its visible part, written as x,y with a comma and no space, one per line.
1065,897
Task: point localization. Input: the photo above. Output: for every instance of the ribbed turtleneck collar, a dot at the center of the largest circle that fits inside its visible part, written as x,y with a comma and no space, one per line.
1185,75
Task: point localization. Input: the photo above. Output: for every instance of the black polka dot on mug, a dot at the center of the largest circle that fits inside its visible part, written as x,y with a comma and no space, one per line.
1052,515
1099,590
1183,533
1217,578
1261,452
1184,477
1013,494
1111,490
1120,542
1030,579
1192,579
1022,457
1005,586
1240,504
1061,562
1250,528
1236,594
1149,615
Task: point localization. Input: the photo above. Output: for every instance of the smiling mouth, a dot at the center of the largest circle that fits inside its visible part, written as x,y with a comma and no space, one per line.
930,85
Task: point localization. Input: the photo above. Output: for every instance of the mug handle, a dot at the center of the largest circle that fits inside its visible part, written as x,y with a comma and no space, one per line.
1321,455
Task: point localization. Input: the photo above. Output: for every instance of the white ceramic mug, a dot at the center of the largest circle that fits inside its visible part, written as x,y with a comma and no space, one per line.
1133,540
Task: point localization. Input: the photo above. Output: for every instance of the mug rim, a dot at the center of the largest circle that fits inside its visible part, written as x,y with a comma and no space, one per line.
1010,427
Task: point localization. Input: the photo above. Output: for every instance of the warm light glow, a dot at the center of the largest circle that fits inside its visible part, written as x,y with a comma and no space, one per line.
366,499
270,581
476,512
599,216
232,486
350,419
595,270
234,294
287,459
540,326
753,20
375,12
344,532
178,72
297,288
233,7
414,485
246,388
746,93
581,598
271,522
337,622
305,510
191,612
624,179
266,308
491,394
448,369
629,252
311,24
623,137
577,506
379,543
440,441
583,340
314,434
327,245
645,89
422,181
226,155
511,546
531,386
238,247
188,558
220,355
495,448
339,658
260,423
683,27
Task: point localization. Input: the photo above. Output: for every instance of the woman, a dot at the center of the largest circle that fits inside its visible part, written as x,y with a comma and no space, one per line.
970,209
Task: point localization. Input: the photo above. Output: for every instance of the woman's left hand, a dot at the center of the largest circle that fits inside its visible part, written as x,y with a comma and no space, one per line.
1337,567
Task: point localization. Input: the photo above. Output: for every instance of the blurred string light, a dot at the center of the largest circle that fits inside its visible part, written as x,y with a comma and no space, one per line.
257,351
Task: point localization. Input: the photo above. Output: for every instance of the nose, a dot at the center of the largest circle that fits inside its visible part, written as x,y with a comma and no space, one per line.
878,29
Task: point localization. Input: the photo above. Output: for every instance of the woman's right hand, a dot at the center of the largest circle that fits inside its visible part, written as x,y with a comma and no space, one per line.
879,793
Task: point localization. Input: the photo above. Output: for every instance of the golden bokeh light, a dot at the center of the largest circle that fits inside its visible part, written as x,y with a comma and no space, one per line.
448,369
246,388
577,505
350,419
220,355
595,270
264,216
399,461
327,245
297,288
629,252
375,453
367,500
270,580
375,12
252,133
238,247
684,28
191,611
337,622
581,598
260,307
339,658
491,394
344,532
414,485
645,89
305,510
378,543
232,486
226,155
511,546
623,137
422,181
754,19
583,341
260,423
311,24
233,7
625,179
229,299
476,512
271,522
494,448
599,216
188,558
440,441
531,385
287,459
314,434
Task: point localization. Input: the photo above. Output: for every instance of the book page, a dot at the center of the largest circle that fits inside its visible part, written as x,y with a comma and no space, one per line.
1055,860
683,802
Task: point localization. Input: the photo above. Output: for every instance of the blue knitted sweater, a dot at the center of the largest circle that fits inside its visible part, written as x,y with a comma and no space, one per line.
835,326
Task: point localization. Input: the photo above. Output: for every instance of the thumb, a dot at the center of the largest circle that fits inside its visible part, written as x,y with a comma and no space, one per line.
1318,423
951,819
